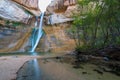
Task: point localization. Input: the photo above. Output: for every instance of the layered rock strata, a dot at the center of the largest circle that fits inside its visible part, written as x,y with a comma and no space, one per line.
10,11
30,5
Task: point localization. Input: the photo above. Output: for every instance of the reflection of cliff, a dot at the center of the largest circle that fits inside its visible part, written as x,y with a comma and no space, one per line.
19,44
56,39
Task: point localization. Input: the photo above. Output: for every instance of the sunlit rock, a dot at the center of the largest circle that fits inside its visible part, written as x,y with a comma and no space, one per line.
10,11
56,39
58,18
60,11
30,5
59,6
70,11
69,2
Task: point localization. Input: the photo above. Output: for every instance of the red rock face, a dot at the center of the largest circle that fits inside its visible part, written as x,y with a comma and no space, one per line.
69,2
57,6
61,5
31,4
9,10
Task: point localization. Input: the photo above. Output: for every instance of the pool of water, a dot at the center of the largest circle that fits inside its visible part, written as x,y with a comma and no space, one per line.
24,53
51,69
30,71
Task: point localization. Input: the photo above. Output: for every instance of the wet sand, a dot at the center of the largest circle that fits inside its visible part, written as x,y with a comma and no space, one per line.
9,66
56,70
51,70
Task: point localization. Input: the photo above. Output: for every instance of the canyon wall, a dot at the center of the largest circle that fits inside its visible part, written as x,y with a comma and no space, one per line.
57,21
10,11
29,5
18,10
56,39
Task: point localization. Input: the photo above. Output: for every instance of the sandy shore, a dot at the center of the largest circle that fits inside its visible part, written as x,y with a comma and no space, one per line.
53,70
9,65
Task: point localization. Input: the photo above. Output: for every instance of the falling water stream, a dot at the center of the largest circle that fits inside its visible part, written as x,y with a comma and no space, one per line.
39,35
42,6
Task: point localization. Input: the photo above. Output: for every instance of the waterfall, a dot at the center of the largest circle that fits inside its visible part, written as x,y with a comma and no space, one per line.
42,6
38,35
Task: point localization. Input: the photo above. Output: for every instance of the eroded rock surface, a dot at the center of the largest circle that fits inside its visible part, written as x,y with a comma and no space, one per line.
58,6
10,11
30,5
56,39
58,18
60,11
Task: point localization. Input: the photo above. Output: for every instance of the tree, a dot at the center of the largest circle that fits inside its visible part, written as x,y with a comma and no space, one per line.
96,25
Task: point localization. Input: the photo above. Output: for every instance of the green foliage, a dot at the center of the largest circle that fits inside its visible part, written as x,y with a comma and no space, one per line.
97,24
15,24
28,12
7,22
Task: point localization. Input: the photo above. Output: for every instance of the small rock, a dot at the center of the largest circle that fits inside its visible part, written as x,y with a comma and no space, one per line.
84,72
98,71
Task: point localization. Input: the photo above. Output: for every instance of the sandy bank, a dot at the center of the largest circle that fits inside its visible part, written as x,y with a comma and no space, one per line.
9,65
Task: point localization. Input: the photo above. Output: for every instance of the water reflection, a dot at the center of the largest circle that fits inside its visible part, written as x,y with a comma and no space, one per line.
36,69
30,71
34,53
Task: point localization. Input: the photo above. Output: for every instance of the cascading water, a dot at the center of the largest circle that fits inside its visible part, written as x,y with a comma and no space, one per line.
38,35
42,6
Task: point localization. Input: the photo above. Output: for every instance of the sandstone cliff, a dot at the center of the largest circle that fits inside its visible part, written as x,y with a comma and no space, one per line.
10,11
56,39
13,10
30,5
57,18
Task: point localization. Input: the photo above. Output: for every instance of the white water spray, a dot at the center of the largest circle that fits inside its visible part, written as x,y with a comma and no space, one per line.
42,6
